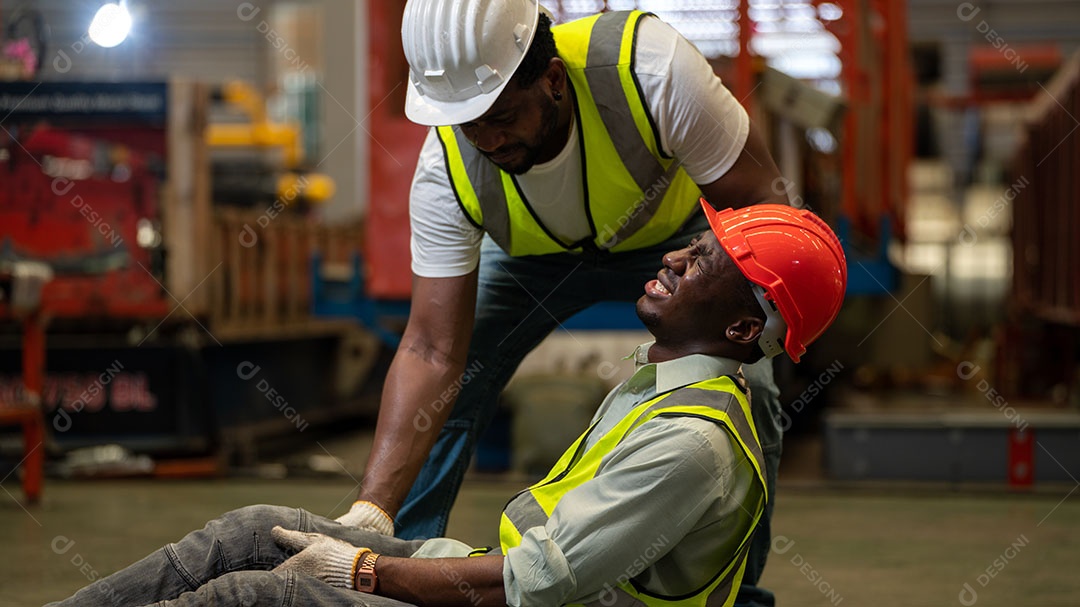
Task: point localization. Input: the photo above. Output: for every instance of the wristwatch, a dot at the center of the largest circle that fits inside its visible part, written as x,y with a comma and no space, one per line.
365,573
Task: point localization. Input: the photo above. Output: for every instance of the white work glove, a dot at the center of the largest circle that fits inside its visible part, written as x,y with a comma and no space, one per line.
368,516
325,558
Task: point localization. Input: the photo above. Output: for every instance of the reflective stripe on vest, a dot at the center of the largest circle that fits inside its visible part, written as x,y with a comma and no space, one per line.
719,400
635,196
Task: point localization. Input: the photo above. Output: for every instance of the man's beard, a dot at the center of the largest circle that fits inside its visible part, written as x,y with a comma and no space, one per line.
549,120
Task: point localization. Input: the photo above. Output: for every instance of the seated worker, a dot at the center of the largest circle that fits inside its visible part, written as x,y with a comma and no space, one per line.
656,502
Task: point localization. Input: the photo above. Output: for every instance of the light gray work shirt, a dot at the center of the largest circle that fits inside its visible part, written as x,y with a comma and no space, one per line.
667,507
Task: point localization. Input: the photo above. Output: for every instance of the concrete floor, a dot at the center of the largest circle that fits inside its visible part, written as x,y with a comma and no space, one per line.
854,545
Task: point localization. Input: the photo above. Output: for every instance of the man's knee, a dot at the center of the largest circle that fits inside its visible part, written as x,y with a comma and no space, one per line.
245,588
259,517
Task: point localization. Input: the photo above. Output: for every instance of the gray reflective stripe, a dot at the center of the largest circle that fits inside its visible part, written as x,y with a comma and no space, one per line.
617,597
525,512
614,597
602,75
487,184
718,596
721,401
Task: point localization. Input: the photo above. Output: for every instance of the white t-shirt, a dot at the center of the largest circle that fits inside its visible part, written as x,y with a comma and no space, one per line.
700,123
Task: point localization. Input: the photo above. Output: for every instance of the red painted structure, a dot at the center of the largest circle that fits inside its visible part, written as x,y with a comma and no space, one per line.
75,202
394,145
27,412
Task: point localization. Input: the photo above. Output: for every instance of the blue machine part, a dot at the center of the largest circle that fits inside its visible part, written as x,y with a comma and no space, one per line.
869,274
337,298
607,316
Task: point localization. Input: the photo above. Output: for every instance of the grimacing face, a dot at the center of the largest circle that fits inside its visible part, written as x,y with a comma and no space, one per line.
690,300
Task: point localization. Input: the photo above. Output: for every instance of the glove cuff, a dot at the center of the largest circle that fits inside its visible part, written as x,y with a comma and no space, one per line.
341,567
378,519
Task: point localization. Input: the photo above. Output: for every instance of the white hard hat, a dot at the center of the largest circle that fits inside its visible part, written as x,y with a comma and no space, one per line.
461,54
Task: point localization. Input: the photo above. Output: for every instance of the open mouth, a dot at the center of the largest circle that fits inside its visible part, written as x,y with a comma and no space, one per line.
659,287
656,289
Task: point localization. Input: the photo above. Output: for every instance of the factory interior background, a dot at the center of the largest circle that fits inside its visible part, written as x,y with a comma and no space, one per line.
219,191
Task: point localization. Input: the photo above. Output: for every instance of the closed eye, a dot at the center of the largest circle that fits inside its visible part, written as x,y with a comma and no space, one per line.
496,121
502,120
702,253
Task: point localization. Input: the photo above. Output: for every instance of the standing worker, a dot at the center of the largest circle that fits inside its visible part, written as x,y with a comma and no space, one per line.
565,160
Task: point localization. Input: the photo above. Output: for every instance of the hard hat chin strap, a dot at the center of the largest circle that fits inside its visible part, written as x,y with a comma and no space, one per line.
772,337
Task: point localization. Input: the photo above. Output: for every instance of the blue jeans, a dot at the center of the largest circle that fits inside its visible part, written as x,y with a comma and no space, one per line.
228,562
520,300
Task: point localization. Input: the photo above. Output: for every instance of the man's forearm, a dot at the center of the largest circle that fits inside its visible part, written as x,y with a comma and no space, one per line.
469,582
414,407
753,179
418,395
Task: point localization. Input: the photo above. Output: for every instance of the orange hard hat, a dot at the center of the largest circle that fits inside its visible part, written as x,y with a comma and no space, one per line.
797,264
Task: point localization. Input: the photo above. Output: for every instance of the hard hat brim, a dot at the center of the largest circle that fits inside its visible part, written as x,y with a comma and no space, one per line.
430,112
717,221
795,257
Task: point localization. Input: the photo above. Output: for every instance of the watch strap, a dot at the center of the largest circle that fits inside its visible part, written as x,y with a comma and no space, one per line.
365,577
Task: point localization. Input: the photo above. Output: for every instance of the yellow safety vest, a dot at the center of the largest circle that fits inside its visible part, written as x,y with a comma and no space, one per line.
719,400
635,195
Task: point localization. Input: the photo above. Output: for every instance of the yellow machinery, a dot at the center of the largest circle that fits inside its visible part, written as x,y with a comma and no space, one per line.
290,182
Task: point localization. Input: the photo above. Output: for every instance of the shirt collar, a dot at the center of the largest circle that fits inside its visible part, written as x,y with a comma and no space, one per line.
686,370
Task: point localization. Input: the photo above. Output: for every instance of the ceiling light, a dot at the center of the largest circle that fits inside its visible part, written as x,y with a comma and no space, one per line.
111,25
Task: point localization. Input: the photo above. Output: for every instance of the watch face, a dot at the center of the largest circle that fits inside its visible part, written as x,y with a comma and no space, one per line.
365,575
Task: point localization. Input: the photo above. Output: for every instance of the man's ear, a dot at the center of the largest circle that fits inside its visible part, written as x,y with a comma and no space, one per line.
555,75
745,331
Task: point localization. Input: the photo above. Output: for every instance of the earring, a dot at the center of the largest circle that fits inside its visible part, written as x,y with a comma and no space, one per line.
557,95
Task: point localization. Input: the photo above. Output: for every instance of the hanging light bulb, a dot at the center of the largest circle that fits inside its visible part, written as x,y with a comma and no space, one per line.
111,25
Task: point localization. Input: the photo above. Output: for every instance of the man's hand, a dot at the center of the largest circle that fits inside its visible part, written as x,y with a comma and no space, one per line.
368,516
322,557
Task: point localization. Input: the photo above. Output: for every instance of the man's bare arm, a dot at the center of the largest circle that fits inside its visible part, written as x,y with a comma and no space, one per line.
753,179
430,359
469,582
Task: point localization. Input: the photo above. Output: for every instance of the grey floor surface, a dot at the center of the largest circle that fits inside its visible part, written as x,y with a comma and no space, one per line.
832,546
